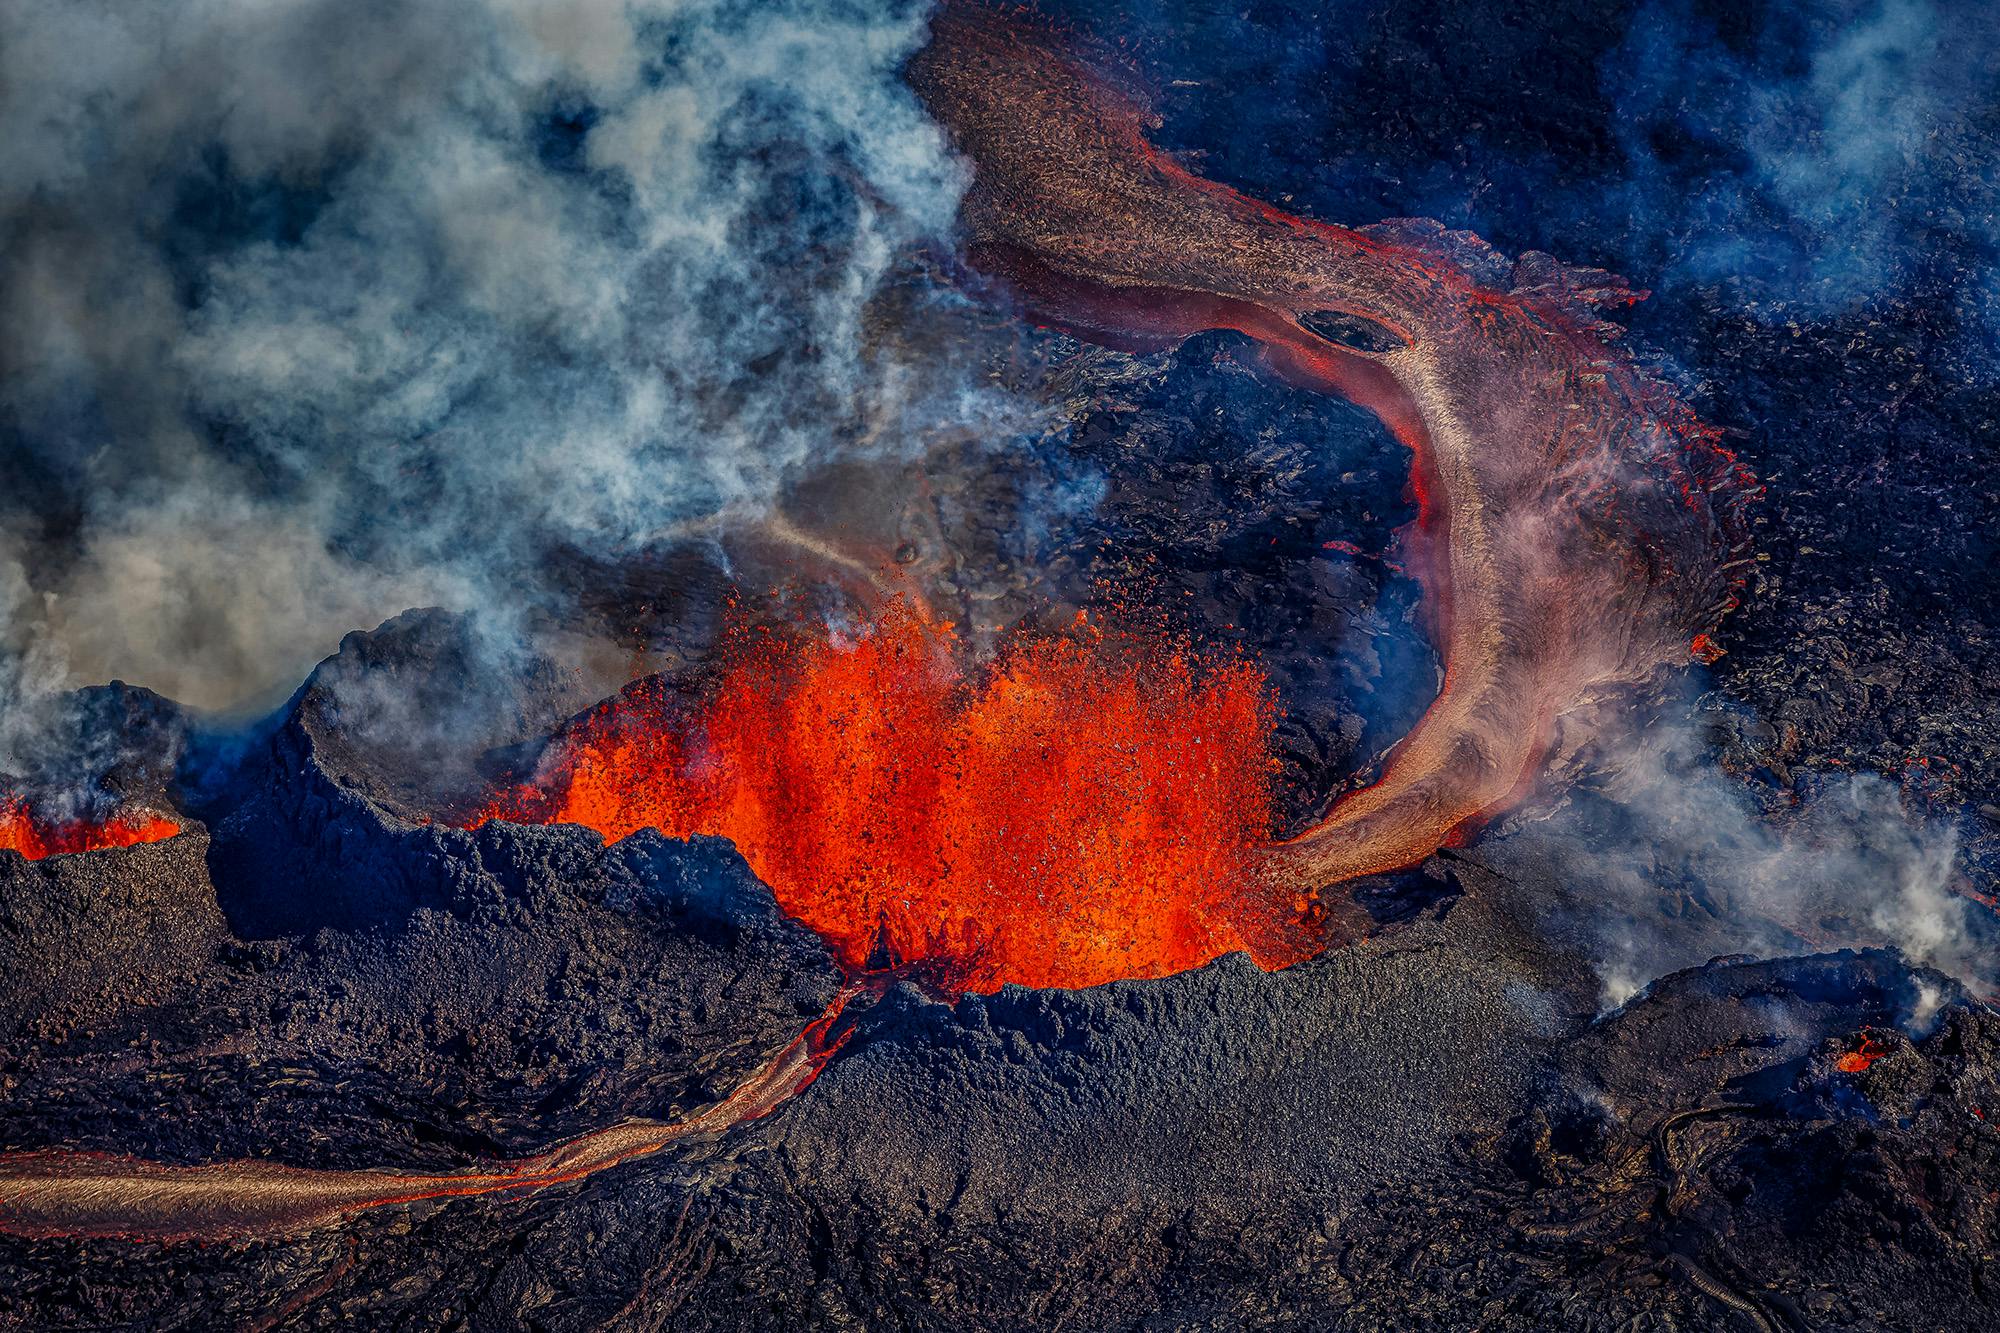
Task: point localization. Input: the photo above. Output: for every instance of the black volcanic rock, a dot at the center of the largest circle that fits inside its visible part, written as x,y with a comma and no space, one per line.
1431,1128
329,823
1190,1151
1425,1131
559,986
84,938
331,982
1709,1132
93,751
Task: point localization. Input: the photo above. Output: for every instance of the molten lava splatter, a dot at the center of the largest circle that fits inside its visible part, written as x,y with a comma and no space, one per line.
1080,811
1857,1061
24,832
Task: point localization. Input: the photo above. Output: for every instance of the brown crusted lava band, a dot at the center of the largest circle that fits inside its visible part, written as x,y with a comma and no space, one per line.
1578,528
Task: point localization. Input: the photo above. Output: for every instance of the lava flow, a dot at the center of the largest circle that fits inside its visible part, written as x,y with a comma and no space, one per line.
96,1195
21,830
1861,1057
1081,811
1578,529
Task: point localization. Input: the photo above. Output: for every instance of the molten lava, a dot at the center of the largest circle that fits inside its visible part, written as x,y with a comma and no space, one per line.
1857,1061
99,1196
34,837
1080,811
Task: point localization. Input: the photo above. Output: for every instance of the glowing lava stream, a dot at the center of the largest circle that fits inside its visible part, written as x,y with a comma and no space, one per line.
21,830
98,1196
1578,529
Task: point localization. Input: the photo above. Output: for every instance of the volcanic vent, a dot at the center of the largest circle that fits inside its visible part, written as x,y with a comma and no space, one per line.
1081,809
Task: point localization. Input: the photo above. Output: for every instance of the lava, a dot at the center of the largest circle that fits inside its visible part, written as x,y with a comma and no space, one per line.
100,1196
1867,1053
34,837
1578,528
1081,810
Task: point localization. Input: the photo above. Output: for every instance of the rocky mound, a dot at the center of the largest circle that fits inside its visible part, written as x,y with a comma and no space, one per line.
327,981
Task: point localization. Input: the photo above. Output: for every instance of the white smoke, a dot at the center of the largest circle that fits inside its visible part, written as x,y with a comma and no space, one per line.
316,309
1662,860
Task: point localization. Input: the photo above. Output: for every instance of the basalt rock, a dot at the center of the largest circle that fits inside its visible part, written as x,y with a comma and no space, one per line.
86,937
1432,1127
1436,1130
427,995
328,823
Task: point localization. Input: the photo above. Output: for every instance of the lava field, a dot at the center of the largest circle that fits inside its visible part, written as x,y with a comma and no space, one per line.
1231,733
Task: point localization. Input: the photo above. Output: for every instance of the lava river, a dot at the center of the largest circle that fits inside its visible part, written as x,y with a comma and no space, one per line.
102,1196
1578,528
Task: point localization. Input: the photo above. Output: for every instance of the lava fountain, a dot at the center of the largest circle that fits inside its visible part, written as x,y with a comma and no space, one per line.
1078,814
1081,810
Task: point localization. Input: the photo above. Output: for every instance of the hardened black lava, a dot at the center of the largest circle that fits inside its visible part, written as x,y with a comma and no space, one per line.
1440,1127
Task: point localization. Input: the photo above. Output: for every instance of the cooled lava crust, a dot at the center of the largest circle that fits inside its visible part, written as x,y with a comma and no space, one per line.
1425,1129
1432,1129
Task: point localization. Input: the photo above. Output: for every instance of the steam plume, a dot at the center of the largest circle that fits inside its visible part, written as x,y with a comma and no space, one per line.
316,310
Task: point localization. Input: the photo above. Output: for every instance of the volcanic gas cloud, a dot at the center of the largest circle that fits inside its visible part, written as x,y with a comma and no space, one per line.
1081,809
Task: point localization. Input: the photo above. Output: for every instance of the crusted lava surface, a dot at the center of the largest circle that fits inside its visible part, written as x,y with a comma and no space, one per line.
1439,1126
428,996
1431,1127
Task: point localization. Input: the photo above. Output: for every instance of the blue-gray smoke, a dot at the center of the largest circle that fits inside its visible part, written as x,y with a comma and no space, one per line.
311,310
1820,154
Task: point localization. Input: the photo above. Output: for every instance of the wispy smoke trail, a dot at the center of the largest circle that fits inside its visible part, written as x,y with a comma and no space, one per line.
1820,153
1662,860
310,311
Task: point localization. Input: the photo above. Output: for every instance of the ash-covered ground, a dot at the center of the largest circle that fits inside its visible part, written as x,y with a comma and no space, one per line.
1555,1090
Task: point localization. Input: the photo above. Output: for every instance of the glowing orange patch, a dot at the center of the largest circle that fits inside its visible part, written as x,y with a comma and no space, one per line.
34,838
1857,1061
1079,812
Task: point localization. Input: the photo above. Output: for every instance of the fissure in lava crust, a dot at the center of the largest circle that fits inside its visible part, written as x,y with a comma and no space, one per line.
1081,810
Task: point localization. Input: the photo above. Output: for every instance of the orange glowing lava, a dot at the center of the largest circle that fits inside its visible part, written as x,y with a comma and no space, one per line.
22,831
1857,1061
1079,811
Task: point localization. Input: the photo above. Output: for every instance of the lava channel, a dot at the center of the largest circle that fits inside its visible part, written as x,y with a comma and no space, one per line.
1578,528
101,1196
